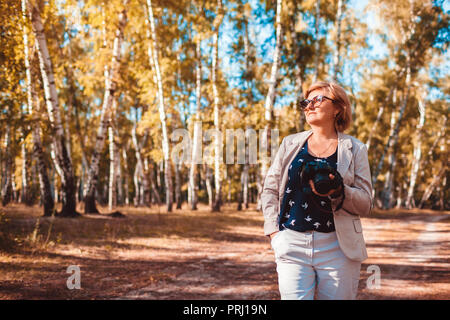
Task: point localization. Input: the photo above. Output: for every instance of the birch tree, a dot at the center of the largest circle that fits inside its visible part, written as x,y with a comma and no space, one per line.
109,95
337,52
317,43
270,97
33,103
61,157
416,157
218,139
193,186
154,56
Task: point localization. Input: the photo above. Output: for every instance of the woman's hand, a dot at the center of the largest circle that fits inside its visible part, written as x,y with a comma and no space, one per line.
329,193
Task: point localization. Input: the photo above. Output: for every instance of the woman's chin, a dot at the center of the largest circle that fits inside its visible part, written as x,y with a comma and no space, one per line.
316,121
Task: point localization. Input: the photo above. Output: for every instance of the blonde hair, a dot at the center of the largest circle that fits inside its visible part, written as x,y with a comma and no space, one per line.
343,119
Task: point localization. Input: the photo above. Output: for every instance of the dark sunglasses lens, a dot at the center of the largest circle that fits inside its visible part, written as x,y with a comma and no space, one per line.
304,103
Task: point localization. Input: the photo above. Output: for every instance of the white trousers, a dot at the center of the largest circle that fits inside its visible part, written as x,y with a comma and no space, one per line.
310,263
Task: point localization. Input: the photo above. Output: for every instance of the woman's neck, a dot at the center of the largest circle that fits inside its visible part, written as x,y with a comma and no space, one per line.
324,133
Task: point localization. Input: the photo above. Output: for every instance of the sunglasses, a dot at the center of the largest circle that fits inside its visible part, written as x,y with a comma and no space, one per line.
316,101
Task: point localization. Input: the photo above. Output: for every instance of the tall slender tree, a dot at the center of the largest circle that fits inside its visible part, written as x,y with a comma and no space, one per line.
270,97
33,107
109,95
61,157
154,56
218,139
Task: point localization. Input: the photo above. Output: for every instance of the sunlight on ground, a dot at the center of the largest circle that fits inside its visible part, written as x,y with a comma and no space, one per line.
152,254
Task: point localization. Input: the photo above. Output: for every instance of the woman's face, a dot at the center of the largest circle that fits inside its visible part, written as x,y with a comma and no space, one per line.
323,114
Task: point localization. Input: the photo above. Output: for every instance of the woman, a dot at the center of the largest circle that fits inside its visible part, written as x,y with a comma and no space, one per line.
316,234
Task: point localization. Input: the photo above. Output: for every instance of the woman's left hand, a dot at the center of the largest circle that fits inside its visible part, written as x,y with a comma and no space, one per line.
329,193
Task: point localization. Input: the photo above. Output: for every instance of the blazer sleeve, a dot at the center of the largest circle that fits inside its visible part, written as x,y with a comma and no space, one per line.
270,192
358,197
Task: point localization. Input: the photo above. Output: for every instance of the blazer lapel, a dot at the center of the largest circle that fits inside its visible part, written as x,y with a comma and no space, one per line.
292,149
344,153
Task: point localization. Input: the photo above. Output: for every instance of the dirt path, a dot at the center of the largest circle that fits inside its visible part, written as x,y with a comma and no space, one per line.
413,255
413,260
198,255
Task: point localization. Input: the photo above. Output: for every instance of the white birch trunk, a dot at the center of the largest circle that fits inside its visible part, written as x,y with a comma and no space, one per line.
437,141
162,109
110,89
61,157
217,141
270,98
142,188
337,52
24,193
410,203
118,166
208,181
7,189
393,135
112,196
392,155
316,43
127,177
193,186
429,190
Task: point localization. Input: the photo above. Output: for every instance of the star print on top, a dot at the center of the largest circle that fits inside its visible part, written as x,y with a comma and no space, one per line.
302,212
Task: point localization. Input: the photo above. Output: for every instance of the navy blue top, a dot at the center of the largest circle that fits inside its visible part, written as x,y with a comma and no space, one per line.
300,211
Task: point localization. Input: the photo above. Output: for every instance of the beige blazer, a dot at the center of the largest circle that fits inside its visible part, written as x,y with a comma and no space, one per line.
352,164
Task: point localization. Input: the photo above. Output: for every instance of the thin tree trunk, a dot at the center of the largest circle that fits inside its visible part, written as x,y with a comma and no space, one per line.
337,54
112,187
217,141
316,42
178,199
127,176
245,172
24,191
380,114
139,172
388,194
162,110
250,98
84,162
193,186
146,195
61,156
137,185
270,98
229,188
118,165
110,89
208,181
436,142
429,190
299,115
155,192
393,136
410,203
7,189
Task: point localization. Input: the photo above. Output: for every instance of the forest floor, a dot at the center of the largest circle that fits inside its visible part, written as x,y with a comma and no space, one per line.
152,254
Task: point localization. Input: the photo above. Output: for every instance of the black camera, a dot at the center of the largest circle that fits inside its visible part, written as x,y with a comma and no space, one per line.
319,172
